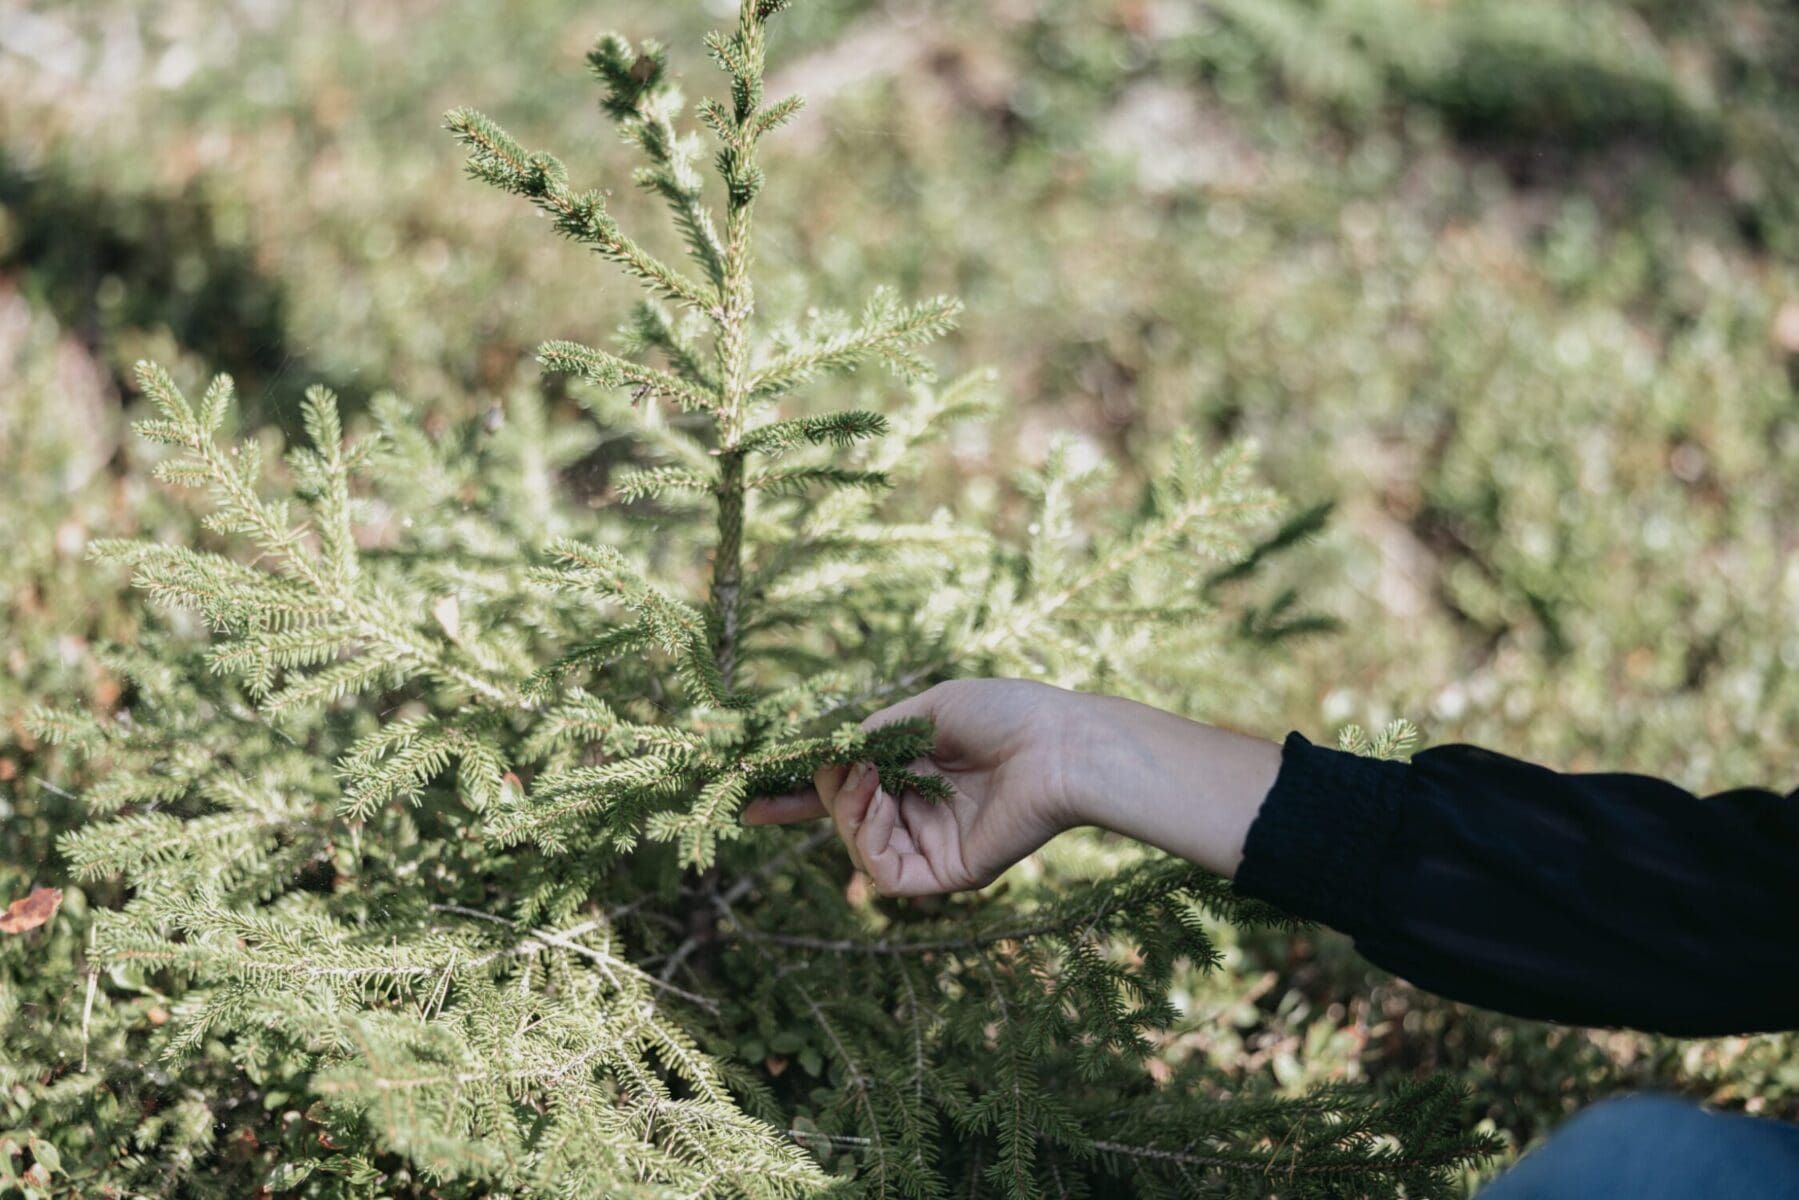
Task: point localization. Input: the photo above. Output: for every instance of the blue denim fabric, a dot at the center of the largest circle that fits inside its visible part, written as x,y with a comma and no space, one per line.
1657,1148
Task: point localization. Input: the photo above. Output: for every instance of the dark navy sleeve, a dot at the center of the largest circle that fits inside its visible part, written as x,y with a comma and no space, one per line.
1601,899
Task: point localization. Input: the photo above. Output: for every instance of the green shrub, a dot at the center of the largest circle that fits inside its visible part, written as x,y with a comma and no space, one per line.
432,876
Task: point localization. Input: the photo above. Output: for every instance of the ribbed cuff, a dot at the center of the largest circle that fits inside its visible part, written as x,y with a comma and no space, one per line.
1315,848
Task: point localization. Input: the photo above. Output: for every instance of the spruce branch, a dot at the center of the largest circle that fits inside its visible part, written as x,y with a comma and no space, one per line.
620,791
649,483
640,99
839,429
400,758
495,158
608,648
675,627
888,331
389,645
609,370
651,328
794,481
1202,504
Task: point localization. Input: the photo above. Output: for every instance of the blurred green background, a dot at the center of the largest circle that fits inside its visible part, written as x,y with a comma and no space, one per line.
1514,284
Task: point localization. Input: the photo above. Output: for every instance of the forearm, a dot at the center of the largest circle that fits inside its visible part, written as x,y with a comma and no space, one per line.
1606,899
1187,788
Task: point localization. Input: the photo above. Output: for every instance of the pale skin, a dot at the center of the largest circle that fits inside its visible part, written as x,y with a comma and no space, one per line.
1027,762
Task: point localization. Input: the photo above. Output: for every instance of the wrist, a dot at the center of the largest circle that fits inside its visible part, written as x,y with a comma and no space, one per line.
1078,740
1184,787
1110,761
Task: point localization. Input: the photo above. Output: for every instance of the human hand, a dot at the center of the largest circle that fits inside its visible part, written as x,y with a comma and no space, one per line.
1027,761
1002,744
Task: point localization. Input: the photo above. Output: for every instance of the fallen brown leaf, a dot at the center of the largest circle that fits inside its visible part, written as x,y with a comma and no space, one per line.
32,911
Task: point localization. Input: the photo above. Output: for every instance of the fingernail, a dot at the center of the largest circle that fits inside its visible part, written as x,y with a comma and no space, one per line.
854,779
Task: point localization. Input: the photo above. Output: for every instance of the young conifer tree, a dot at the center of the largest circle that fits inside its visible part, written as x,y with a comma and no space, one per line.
432,853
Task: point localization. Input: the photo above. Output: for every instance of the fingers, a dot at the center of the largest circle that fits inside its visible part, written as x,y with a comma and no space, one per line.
876,835
808,804
849,807
784,810
828,779
892,843
891,840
